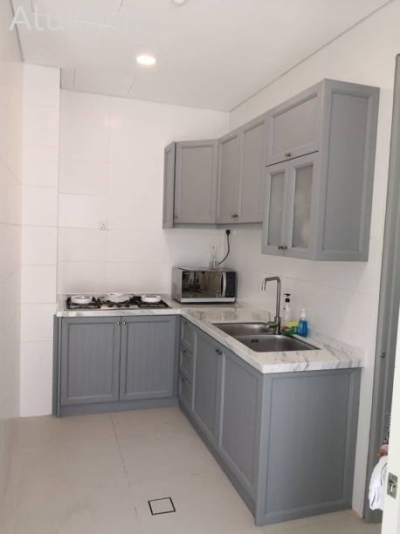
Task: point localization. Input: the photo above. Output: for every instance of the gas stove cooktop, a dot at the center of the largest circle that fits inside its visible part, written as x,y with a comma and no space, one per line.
104,303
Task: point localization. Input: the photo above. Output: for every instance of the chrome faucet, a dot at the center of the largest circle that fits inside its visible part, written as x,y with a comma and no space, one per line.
276,325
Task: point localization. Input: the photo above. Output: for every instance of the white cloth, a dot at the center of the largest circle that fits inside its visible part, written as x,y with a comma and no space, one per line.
377,486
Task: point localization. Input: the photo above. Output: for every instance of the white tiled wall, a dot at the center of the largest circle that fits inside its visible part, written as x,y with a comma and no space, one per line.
341,298
39,235
10,234
111,169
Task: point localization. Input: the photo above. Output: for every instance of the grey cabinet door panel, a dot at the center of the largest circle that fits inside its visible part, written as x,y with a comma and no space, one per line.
169,186
252,172
185,392
148,357
228,182
196,182
240,420
308,441
90,360
294,127
207,385
348,167
275,211
186,363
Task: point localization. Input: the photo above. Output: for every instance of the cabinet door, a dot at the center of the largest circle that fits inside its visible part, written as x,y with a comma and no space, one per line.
207,385
169,186
228,178
196,182
241,404
148,357
90,353
252,172
274,225
294,127
302,181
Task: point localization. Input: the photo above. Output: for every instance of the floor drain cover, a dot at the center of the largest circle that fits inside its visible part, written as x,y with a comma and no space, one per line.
161,506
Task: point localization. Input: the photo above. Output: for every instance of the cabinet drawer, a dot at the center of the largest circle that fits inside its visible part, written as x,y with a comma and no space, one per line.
185,391
186,362
188,334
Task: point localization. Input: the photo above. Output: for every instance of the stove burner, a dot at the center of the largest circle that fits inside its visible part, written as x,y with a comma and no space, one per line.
147,305
134,301
93,305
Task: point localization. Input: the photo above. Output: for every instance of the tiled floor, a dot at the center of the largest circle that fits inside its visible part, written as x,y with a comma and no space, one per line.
96,474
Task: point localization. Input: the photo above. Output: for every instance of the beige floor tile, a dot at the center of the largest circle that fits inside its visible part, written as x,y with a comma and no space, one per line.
205,503
96,474
153,448
65,511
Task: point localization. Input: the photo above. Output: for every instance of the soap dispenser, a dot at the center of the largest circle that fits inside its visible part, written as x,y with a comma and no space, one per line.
287,309
302,329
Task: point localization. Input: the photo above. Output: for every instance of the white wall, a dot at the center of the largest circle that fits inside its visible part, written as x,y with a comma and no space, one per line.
111,169
10,232
341,298
41,120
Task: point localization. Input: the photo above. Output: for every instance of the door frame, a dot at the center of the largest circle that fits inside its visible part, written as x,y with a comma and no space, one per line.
389,301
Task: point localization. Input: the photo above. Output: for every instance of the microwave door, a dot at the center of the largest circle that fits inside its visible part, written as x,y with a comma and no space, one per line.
212,285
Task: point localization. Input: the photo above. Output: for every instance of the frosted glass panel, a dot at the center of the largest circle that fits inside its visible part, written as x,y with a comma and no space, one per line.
302,207
276,209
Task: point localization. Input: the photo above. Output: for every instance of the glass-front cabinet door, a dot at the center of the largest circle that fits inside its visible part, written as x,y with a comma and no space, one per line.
300,206
274,225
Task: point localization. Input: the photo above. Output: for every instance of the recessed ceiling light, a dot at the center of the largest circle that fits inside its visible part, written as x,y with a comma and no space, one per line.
146,60
179,2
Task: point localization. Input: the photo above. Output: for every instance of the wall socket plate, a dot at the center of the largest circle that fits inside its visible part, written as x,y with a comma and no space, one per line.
392,485
103,225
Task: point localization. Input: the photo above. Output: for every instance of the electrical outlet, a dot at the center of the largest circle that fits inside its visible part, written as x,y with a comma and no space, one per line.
392,485
103,225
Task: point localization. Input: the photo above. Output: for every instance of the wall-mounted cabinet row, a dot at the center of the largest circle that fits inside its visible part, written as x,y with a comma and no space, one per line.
253,424
110,363
305,169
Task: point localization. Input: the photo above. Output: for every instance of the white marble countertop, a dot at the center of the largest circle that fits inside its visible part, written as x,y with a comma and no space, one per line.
329,353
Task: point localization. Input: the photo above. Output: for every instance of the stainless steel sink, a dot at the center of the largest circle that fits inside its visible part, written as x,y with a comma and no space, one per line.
260,338
245,329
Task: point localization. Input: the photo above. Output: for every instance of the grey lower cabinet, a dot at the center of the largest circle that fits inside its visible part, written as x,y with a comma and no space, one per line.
207,385
114,363
285,440
320,169
190,183
90,361
148,358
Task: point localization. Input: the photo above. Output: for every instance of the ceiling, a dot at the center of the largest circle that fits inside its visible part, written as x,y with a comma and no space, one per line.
210,53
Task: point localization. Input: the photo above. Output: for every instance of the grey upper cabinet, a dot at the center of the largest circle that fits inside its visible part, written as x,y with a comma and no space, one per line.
207,385
228,179
290,220
190,183
294,127
90,360
169,185
318,206
241,174
148,357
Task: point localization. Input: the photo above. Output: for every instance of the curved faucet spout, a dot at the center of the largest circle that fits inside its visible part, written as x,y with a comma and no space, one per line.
277,321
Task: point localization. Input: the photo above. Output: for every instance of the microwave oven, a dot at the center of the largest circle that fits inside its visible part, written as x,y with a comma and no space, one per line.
202,285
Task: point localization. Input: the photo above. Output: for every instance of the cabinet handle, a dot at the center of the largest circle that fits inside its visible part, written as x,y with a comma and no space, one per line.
235,216
184,351
124,323
288,154
119,323
218,351
284,247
